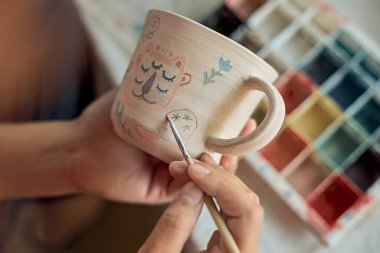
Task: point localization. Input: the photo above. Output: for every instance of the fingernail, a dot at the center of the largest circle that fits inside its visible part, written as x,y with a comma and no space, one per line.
199,169
191,194
178,166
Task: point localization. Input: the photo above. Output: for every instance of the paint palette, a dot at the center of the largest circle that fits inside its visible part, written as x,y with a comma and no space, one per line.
325,162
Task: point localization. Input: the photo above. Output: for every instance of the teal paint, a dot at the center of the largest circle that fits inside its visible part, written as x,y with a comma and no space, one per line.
350,88
340,145
369,115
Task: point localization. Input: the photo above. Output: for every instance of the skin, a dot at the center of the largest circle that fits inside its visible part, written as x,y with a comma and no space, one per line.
240,206
243,8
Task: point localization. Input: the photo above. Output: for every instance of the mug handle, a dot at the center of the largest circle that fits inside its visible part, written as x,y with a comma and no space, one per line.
264,133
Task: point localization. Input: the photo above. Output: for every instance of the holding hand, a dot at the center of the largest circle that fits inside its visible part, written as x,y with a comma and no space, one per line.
108,166
240,207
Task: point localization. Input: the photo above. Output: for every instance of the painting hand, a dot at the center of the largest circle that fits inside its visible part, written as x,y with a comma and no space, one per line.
176,223
239,205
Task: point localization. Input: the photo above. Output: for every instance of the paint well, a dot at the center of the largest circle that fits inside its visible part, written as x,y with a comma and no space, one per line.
366,170
276,63
322,66
371,67
283,149
337,197
308,175
301,5
250,40
314,116
295,87
369,115
274,23
297,46
338,146
348,89
325,22
347,44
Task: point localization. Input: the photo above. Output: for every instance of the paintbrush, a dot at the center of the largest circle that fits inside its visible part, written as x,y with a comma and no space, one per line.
225,233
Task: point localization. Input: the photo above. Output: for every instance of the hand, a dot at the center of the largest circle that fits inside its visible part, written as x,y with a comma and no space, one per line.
240,208
111,167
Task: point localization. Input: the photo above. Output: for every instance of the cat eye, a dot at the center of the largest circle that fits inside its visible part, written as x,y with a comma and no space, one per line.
144,69
156,67
161,91
167,78
138,82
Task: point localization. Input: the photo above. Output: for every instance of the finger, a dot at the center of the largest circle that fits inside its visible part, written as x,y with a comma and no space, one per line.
207,159
249,127
176,223
213,243
178,170
230,162
221,184
240,205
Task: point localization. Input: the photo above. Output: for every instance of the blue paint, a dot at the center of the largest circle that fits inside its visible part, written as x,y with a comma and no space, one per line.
369,115
348,90
348,215
322,66
138,27
288,194
262,168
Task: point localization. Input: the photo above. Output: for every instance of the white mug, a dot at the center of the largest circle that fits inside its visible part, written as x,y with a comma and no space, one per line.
207,84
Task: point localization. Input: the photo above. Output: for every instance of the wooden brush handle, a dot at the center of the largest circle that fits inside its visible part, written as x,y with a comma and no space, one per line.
224,231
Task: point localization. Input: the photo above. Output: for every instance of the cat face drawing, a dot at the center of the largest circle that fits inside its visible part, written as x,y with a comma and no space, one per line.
154,78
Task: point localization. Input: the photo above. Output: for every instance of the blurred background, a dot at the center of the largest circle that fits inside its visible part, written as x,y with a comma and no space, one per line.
317,181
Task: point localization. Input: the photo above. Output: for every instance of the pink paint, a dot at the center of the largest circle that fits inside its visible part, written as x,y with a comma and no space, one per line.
295,87
283,149
308,175
335,196
146,134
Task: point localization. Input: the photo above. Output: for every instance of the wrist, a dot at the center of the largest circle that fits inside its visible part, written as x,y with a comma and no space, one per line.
70,147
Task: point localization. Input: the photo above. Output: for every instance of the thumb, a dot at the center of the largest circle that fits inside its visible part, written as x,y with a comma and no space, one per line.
176,223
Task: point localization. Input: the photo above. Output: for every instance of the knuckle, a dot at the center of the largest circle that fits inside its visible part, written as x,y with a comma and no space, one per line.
254,211
252,196
257,214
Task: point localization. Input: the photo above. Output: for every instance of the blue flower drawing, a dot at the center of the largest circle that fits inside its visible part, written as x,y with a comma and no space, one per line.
224,66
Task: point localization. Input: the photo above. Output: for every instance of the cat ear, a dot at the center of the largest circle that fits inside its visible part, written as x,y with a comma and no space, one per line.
179,62
185,79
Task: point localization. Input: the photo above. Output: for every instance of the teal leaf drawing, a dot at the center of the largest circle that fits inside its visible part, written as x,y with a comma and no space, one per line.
205,77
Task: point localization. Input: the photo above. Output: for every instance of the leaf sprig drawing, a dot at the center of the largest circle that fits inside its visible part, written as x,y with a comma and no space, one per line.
119,114
224,66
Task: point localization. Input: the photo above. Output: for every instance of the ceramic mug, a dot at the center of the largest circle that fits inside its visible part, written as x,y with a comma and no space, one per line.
207,84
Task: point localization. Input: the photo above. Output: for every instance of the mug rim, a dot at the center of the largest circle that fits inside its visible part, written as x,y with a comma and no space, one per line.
273,72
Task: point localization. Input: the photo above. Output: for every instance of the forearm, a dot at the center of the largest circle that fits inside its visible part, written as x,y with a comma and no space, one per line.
35,159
